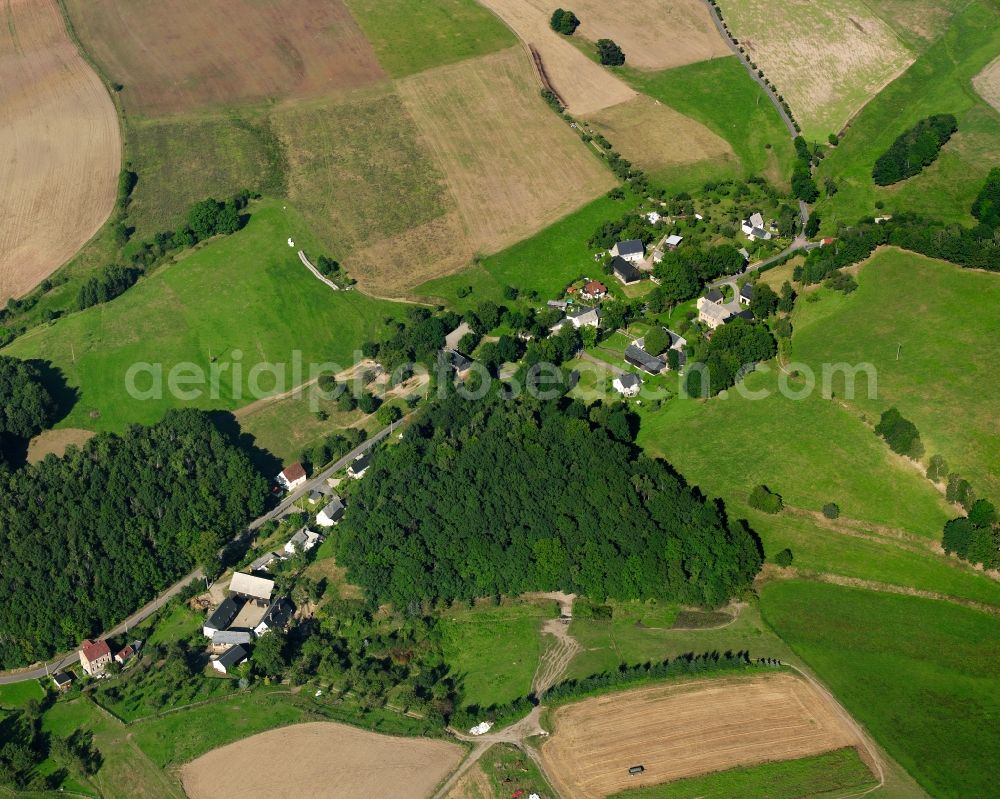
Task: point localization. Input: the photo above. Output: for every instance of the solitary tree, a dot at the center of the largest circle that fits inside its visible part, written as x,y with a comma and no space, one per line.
611,54
564,22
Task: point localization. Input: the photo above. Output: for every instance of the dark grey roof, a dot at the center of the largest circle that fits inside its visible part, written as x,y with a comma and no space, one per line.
714,295
361,462
759,233
232,656
334,509
458,361
639,357
224,614
625,271
279,614
630,246
746,314
628,380
674,338
62,678
747,291
582,310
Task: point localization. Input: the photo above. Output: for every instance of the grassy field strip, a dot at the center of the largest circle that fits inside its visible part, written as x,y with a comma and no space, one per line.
922,676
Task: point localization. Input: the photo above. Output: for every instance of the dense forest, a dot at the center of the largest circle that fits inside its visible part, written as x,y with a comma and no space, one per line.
500,496
914,149
89,537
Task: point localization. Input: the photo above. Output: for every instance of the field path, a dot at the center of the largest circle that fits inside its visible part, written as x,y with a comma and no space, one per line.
557,655
61,143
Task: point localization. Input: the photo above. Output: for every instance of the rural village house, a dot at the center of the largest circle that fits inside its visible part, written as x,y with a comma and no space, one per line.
594,290
632,250
753,227
332,513
62,681
304,540
641,359
627,384
625,271
95,657
277,617
250,587
712,313
357,469
745,296
229,659
292,477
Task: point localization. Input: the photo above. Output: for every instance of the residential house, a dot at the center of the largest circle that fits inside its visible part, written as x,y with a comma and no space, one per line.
456,335
229,659
222,617
332,513
746,314
625,271
127,652
95,657
632,250
627,384
641,359
672,241
315,497
594,290
753,227
357,469
232,637
714,295
580,317
711,313
460,363
304,540
292,477
745,296
63,680
250,587
277,617
265,560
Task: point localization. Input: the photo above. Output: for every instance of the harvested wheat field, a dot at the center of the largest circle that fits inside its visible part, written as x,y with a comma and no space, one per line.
55,442
319,760
584,85
653,34
987,83
178,55
827,59
655,137
684,729
510,165
60,142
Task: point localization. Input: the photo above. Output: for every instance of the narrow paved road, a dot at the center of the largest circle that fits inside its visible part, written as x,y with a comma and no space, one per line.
35,672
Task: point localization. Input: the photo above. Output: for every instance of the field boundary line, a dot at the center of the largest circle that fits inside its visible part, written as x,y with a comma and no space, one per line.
316,273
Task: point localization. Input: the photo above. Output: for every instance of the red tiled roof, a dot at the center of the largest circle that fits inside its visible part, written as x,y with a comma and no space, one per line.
126,652
294,472
92,650
595,287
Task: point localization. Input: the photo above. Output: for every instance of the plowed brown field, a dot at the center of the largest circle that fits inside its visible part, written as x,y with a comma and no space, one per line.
179,55
60,142
320,760
684,729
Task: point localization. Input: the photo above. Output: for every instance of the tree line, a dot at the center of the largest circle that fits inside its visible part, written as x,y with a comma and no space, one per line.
24,746
914,149
492,496
89,537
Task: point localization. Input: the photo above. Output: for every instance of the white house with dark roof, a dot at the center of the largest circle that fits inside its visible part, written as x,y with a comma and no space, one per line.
625,271
712,313
229,659
745,296
360,465
753,227
277,617
638,357
221,617
580,316
627,384
304,540
332,512
632,250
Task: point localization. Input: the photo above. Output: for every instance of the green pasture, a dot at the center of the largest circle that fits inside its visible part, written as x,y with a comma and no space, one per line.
922,676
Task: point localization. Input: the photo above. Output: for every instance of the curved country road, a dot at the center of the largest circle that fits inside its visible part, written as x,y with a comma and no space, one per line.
35,672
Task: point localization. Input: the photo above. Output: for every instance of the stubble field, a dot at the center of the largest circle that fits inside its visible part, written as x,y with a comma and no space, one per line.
584,85
510,167
826,59
987,83
61,144
180,55
306,761
682,730
653,34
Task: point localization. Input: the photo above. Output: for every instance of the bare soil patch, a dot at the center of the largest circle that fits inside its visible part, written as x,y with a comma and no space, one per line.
60,142
314,761
655,137
684,729
653,34
827,59
987,83
511,167
584,85
177,55
54,442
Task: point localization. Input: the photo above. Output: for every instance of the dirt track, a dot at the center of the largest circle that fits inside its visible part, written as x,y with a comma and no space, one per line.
60,142
320,760
684,729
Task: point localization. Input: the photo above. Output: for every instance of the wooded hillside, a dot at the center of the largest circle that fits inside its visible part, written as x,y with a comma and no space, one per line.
500,497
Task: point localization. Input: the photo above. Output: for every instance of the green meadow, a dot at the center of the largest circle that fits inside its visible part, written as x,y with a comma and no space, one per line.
922,676
410,37
720,94
243,299
926,327
545,263
786,779
494,651
938,82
